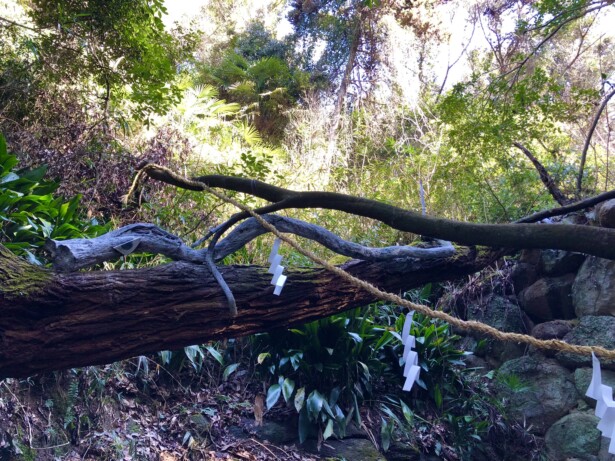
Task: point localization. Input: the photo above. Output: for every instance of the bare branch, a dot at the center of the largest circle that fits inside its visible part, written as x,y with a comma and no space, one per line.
580,205
75,254
583,239
545,177
594,124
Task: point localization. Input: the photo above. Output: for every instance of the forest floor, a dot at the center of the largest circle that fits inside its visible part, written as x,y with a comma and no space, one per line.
110,413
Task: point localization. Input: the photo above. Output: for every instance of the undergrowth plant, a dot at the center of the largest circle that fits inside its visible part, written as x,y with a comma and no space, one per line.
331,369
326,369
31,213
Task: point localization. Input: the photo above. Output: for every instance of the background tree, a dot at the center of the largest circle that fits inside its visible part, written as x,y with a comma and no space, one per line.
259,72
122,46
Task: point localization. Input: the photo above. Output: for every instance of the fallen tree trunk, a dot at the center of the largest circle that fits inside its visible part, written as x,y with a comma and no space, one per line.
51,320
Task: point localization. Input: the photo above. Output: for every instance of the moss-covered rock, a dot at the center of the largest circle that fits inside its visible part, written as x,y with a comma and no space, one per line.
574,436
593,291
590,331
536,391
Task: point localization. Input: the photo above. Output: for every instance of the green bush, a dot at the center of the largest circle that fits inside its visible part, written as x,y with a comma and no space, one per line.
30,213
326,369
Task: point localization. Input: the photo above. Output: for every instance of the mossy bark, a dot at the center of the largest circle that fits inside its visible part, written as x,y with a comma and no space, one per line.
18,279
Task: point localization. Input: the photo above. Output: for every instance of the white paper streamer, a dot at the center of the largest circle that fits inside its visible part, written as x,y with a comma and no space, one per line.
276,269
411,358
605,406
594,386
274,249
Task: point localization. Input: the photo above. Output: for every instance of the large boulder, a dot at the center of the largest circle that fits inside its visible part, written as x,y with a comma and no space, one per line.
605,213
523,275
604,454
549,298
536,391
593,291
530,257
555,329
501,313
590,331
574,436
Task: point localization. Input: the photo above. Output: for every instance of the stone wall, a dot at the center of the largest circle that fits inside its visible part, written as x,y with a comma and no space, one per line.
559,295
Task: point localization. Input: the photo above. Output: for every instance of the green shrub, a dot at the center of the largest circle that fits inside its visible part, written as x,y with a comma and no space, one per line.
31,214
326,369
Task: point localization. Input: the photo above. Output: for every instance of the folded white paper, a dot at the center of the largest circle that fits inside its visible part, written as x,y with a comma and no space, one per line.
276,274
278,280
274,249
605,406
407,324
594,386
279,284
275,262
411,358
413,375
409,344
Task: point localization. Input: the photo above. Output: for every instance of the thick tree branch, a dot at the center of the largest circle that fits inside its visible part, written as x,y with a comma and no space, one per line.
545,177
583,239
53,320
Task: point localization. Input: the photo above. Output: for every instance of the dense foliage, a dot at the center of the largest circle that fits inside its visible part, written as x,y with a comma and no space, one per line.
31,213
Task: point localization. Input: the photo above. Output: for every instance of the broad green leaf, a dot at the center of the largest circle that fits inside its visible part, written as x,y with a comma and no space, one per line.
437,396
408,413
215,354
304,425
165,357
386,430
299,399
314,404
191,353
356,337
36,174
32,259
9,177
288,386
229,370
261,357
328,430
273,395
334,395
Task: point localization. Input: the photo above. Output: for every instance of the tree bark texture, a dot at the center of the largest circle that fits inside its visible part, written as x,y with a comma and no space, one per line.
51,320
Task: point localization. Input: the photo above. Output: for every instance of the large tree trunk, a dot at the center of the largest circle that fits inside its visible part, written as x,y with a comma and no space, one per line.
51,320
